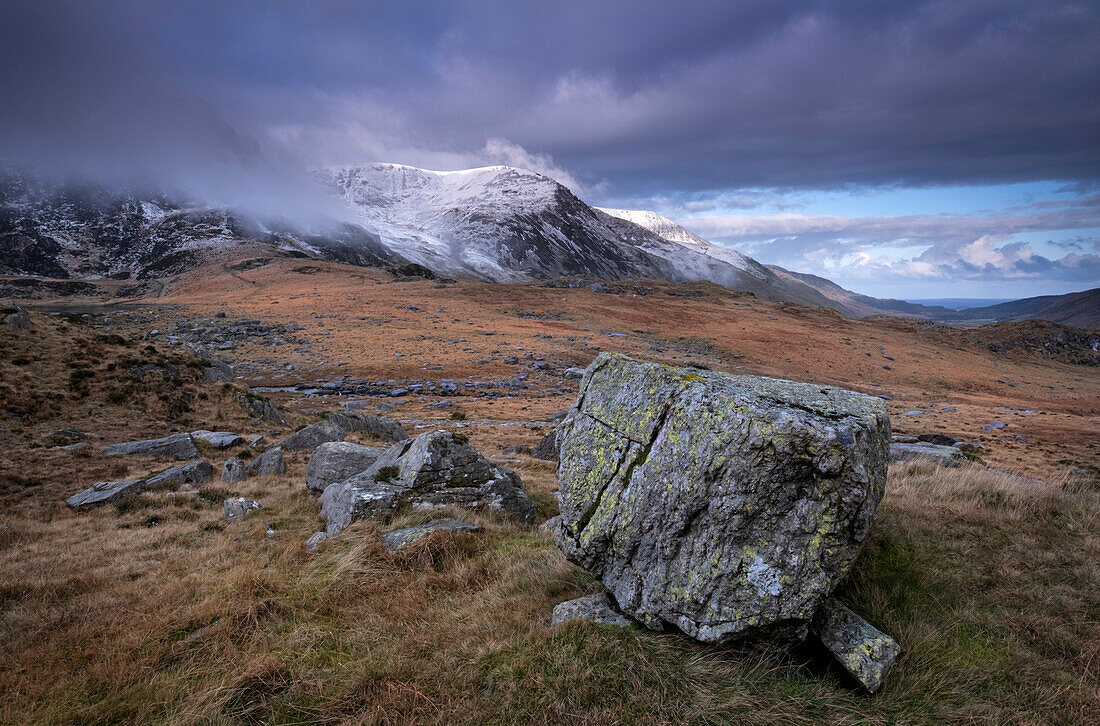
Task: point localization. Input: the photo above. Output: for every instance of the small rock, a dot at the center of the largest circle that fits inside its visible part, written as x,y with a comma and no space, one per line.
79,446
903,439
402,538
237,507
591,608
233,470
315,540
573,373
865,651
938,439
269,463
969,447
257,442
176,446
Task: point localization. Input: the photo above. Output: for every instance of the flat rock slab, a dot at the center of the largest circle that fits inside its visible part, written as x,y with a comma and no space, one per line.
218,439
922,451
725,506
335,461
590,608
176,446
197,473
866,652
103,492
237,507
312,436
402,538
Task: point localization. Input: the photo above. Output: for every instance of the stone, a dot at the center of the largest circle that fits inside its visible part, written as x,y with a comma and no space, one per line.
315,540
376,426
216,369
103,492
590,608
969,447
547,449
78,446
402,538
335,461
260,407
269,463
550,526
922,451
218,439
865,651
938,439
176,446
312,436
237,507
233,470
257,442
434,469
196,473
573,373
903,439
19,320
727,506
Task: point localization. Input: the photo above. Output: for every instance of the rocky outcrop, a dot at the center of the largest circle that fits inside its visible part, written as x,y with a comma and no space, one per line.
260,407
931,453
335,461
17,320
434,469
401,538
376,426
865,651
726,506
312,436
590,608
216,369
269,463
176,446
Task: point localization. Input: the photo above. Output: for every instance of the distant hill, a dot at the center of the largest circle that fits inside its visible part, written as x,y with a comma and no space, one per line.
1081,309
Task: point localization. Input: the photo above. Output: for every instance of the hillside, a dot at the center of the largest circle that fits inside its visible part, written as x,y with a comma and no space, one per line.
1081,309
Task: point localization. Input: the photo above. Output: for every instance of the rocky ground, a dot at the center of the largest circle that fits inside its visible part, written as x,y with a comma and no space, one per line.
156,607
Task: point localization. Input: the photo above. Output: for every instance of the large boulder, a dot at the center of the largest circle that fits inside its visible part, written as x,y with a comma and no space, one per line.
377,426
176,446
218,439
196,473
724,505
312,436
335,461
434,469
103,492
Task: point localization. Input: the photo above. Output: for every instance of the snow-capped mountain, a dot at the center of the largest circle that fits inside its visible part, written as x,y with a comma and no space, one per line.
83,230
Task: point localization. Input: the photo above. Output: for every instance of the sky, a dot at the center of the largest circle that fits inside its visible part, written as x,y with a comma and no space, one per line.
902,149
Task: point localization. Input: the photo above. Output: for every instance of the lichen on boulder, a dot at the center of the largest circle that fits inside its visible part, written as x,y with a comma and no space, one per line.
726,506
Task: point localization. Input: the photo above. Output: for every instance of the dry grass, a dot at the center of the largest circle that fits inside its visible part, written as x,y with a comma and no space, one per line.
991,587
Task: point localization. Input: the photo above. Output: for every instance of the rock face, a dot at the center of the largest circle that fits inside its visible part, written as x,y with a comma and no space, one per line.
335,461
591,608
402,538
271,462
434,469
921,451
865,651
312,436
726,506
378,426
176,446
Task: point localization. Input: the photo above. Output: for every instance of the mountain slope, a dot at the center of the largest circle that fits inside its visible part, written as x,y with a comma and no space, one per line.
1081,309
82,229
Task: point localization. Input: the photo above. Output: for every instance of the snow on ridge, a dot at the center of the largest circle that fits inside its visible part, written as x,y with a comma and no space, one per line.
669,230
